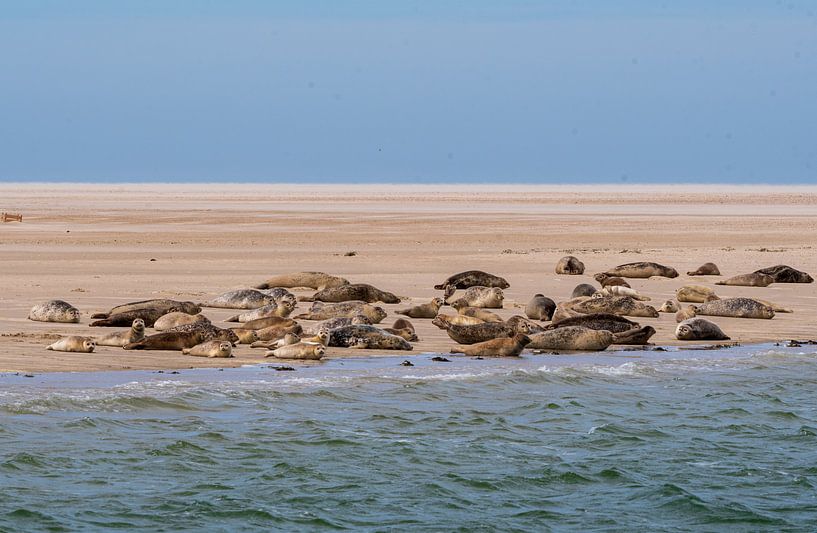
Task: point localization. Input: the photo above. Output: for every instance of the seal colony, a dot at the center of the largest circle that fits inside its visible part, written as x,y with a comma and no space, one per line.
603,310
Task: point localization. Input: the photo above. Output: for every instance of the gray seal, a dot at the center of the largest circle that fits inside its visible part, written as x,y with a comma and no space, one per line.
126,318
168,306
601,321
540,307
755,279
312,280
371,337
736,308
616,305
786,274
325,311
642,269
471,278
357,291
478,332
483,297
54,311
572,338
570,265
241,299
503,347
699,329
583,289
707,269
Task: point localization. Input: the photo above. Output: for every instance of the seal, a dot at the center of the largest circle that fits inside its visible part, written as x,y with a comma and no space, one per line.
482,314
289,338
483,297
428,310
405,333
54,311
177,318
572,338
635,336
73,344
363,336
168,306
168,340
606,281
273,333
563,312
311,280
279,294
570,265
120,339
736,308
321,338
616,305
786,274
261,323
357,291
240,299
125,319
583,289
333,323
696,294
477,332
600,321
245,336
699,329
471,278
777,308
402,323
755,279
326,311
210,349
523,325
685,313
707,269
642,269
617,290
461,320
669,307
281,309
503,347
540,307
208,332
300,350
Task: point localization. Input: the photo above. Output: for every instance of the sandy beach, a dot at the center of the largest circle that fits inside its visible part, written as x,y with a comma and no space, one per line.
96,246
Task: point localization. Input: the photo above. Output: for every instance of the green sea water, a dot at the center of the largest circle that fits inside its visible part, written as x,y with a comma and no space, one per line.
680,441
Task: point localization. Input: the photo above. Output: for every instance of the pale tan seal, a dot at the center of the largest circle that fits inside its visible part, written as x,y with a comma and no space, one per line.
521,324
696,294
273,333
669,307
736,308
685,314
245,336
405,333
311,352
321,338
159,304
699,329
606,281
73,344
471,278
642,269
210,349
707,269
261,323
428,310
540,307
54,311
482,314
617,290
570,265
121,338
503,347
786,274
333,323
281,309
326,311
311,280
168,340
403,323
483,297
755,279
289,338
352,292
461,320
572,338
177,318
777,308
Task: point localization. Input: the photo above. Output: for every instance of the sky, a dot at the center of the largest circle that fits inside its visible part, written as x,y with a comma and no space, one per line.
561,91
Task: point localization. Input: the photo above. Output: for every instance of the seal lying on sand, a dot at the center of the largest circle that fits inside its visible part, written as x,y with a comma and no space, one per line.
358,291
245,336
366,337
605,321
54,311
540,307
312,280
282,309
461,320
471,278
696,294
699,329
210,349
483,297
208,331
636,336
583,289
300,350
503,347
478,332
786,274
574,338
736,308
273,333
570,265
669,307
606,281
240,299
707,269
168,306
326,311
616,305
478,312
126,318
642,270
755,279
338,322
177,318
73,344
685,314
617,290
121,338
261,323
521,324
428,310
168,340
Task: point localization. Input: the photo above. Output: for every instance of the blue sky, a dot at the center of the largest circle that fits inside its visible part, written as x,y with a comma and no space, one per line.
434,91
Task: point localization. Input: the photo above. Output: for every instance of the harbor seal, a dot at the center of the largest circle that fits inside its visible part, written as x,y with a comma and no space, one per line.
326,311
572,338
570,265
300,350
606,281
168,306
483,297
696,294
321,338
460,320
669,307
521,324
736,308
786,274
357,292
177,318
245,336
755,279
477,332
210,349
125,319
583,289
281,309
563,312
406,333
311,280
240,299
504,347
482,314
278,294
289,338
471,278
54,311
363,336
338,322
707,269
617,290
121,338
685,313
540,307
642,269
73,344
208,331
699,329
273,333
261,323
777,308
600,321
634,337
168,340
403,323
428,310
616,305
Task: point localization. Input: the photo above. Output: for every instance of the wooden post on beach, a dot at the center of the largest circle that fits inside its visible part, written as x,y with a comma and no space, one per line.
12,217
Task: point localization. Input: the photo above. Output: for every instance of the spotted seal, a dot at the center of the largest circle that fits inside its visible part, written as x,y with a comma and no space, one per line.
755,279
261,323
669,307
471,278
616,305
477,332
523,325
126,318
699,329
73,344
326,311
707,269
482,314
240,299
570,265
168,340
312,280
606,281
483,297
786,274
696,294
540,307
642,269
161,304
363,336
572,338
210,349
605,321
357,291
338,322
300,350
121,338
736,308
208,332
54,311
177,318
502,347
583,289
428,310
281,309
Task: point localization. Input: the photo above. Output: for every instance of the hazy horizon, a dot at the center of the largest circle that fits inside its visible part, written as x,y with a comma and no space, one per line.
408,92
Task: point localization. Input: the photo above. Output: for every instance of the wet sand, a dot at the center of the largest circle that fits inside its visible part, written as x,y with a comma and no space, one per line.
92,245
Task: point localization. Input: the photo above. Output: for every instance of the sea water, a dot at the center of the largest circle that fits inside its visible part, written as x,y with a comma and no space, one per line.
649,441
